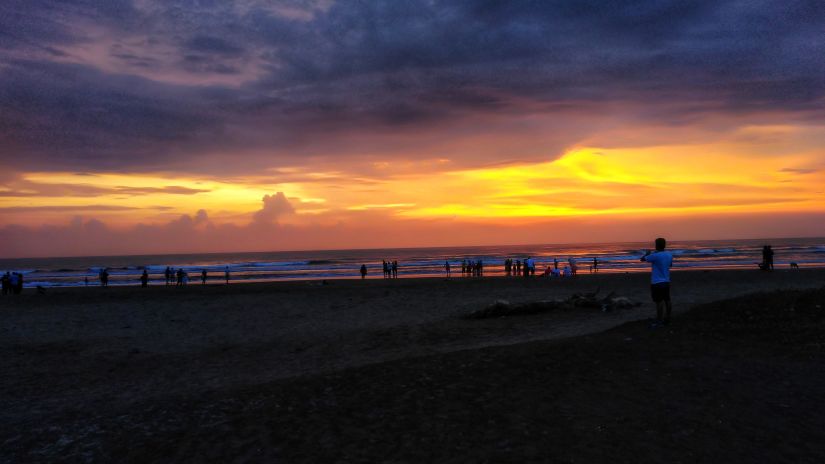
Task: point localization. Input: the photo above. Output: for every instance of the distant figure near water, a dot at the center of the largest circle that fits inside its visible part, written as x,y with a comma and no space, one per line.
17,283
767,258
447,267
203,277
661,262
144,279
12,283
363,271
226,274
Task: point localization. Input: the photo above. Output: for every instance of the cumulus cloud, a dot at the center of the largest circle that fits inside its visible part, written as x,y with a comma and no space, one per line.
274,207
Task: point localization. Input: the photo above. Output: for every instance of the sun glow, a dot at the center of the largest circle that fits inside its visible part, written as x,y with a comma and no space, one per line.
585,181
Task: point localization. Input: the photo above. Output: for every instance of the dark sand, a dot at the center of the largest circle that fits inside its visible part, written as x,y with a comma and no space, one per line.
389,371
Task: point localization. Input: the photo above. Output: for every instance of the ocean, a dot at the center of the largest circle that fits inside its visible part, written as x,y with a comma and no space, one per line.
413,262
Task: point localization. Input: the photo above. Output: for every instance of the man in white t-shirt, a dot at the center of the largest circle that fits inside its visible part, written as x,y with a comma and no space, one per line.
660,261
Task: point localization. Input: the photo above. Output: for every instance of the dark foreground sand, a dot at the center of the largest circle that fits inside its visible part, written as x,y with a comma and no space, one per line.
389,371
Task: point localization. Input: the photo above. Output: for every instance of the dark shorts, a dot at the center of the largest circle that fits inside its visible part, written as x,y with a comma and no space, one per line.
660,291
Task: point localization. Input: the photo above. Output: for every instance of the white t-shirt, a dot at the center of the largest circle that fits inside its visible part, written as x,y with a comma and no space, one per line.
660,261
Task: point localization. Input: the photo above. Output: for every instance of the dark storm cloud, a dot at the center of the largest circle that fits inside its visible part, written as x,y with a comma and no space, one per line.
179,78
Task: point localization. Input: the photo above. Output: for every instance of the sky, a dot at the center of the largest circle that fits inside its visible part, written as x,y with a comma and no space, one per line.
166,126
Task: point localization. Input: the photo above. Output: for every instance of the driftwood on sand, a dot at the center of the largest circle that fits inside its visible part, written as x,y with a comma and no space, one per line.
501,308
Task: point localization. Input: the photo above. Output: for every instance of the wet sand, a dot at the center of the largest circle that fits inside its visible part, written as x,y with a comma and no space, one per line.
82,366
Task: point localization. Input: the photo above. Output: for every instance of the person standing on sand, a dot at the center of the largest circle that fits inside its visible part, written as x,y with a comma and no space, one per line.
226,274
363,271
395,269
13,277
447,267
661,262
144,279
203,277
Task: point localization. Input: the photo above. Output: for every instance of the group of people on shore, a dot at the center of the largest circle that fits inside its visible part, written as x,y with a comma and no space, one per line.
518,267
470,268
527,268
178,278
12,283
390,269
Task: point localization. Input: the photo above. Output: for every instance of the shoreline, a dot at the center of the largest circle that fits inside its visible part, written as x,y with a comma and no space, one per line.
215,281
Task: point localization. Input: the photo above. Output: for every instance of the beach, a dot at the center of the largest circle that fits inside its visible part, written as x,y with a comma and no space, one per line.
371,370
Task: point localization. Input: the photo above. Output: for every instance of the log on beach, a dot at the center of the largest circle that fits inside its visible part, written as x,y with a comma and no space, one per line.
502,308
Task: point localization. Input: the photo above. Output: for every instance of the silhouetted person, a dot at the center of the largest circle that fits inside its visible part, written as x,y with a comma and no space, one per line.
395,269
447,267
226,274
144,279
103,275
555,263
660,261
14,278
769,260
203,277
179,277
168,274
595,264
363,271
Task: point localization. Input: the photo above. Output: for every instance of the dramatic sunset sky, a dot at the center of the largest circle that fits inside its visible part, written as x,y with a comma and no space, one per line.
148,126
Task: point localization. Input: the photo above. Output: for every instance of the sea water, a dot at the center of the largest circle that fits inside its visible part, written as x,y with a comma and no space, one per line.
413,262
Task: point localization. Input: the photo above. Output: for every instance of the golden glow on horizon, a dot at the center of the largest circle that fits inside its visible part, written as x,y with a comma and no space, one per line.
586,181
